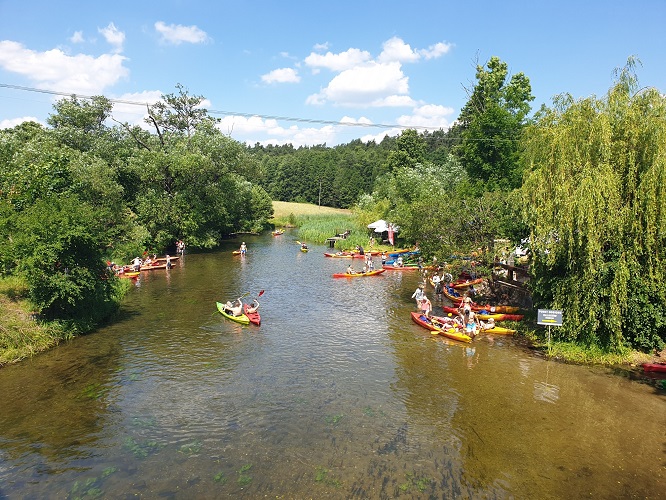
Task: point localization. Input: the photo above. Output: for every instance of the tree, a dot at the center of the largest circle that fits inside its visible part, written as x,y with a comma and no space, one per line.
490,126
58,244
79,122
177,114
596,208
410,149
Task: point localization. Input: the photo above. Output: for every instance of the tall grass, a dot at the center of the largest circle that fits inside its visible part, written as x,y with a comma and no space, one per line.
21,335
287,213
316,224
318,229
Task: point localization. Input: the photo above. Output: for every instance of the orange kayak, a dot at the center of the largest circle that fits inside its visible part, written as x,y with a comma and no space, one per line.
375,272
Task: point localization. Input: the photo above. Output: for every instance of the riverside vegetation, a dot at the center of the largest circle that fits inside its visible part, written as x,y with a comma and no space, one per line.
79,193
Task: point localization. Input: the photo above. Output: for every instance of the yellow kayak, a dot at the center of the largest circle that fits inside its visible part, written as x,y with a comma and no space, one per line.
242,319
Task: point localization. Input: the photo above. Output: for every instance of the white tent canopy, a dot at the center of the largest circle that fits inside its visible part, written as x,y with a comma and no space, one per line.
381,225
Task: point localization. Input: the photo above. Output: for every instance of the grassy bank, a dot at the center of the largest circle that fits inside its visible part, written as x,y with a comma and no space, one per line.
21,335
316,224
287,213
570,352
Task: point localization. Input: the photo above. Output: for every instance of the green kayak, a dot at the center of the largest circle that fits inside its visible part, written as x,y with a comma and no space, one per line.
238,319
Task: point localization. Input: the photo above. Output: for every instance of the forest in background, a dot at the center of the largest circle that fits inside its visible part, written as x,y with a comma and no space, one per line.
581,183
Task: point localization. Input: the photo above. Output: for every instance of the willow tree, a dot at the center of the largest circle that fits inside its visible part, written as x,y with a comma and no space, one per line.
595,200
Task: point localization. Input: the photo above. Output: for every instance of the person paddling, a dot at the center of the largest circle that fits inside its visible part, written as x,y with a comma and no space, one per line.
254,307
234,308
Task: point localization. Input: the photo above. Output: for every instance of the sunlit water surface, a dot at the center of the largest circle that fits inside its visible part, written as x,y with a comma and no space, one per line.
336,395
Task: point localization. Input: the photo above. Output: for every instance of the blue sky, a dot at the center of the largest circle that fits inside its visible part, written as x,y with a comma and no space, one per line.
295,71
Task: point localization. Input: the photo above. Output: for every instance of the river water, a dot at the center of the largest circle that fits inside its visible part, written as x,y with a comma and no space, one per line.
336,395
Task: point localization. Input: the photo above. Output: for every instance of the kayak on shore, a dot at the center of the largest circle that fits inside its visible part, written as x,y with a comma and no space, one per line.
654,367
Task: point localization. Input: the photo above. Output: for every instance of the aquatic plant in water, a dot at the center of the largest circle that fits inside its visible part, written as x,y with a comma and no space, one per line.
145,422
86,489
142,449
220,478
421,483
191,448
93,391
321,476
334,419
244,479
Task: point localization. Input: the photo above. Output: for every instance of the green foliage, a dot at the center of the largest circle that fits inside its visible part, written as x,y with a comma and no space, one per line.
491,124
317,228
243,478
410,150
177,114
79,123
596,209
56,243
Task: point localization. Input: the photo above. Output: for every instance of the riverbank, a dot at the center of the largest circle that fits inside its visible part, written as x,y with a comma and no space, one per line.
22,333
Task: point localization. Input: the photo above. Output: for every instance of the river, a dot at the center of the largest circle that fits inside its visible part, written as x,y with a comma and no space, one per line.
338,394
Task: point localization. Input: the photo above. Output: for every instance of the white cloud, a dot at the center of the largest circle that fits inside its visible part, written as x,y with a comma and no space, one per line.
321,46
282,75
396,50
430,116
364,85
134,113
379,137
364,82
247,129
245,126
53,69
436,50
338,62
113,36
13,122
353,121
77,37
393,101
176,34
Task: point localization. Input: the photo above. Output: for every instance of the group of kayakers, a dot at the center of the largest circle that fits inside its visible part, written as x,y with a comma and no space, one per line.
236,307
466,319
137,264
368,265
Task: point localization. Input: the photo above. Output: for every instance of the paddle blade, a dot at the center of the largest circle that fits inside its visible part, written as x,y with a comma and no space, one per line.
260,293
299,242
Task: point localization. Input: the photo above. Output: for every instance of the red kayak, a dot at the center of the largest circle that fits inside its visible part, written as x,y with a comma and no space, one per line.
654,367
252,316
401,268
483,314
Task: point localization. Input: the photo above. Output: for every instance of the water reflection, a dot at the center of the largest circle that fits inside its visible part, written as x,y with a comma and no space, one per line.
338,394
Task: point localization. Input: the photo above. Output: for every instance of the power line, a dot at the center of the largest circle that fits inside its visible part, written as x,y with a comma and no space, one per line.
225,113
264,117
